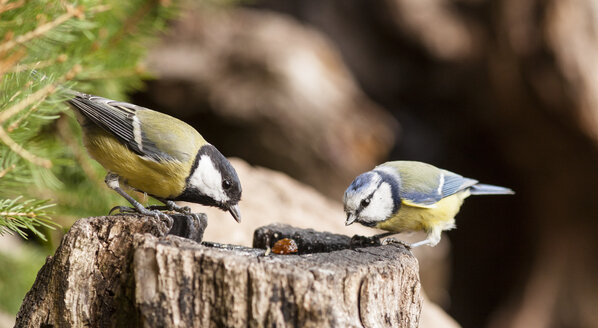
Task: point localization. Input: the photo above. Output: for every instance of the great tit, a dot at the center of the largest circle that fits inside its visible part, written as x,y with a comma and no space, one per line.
411,196
156,154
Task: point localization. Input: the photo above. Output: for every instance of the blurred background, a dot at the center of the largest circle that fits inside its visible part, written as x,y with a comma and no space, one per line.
308,94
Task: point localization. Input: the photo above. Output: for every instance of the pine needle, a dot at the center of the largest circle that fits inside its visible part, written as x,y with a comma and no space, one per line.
19,216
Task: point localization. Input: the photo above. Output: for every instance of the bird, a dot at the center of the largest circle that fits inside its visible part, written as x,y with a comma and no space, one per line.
402,196
156,154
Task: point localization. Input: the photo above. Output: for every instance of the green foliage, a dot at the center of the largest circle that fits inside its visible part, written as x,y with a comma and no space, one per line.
89,45
19,216
26,261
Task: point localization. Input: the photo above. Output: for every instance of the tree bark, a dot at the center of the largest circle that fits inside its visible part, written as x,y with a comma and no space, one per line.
118,271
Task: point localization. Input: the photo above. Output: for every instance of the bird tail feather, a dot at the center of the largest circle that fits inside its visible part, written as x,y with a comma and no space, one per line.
486,189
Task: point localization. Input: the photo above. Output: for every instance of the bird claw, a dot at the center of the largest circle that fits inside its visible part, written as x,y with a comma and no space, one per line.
363,241
195,216
158,208
394,241
174,207
122,209
167,219
150,211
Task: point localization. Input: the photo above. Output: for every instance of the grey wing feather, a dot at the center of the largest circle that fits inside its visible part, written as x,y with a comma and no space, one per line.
103,115
453,183
117,118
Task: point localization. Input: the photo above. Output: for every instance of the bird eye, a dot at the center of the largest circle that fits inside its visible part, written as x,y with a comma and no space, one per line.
226,184
365,202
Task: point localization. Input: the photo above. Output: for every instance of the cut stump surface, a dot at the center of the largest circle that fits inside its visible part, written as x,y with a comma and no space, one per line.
116,271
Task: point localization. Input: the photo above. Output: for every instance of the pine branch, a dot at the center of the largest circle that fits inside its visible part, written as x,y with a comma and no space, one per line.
38,65
10,6
10,62
132,24
17,148
42,29
93,47
6,170
38,95
30,215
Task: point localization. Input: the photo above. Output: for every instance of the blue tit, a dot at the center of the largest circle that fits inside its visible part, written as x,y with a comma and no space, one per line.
411,196
156,154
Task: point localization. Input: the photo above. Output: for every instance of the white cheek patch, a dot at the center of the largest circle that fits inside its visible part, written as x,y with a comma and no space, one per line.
381,205
208,180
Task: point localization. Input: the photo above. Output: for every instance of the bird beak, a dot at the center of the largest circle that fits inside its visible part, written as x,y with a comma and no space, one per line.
235,212
350,218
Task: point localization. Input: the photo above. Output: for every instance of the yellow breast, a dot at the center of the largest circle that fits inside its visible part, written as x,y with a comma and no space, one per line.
412,218
165,179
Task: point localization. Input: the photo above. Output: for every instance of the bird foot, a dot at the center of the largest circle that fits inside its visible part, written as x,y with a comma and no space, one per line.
122,209
394,241
159,208
174,207
150,211
159,215
363,241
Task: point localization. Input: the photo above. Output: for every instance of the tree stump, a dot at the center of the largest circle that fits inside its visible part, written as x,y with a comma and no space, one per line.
116,271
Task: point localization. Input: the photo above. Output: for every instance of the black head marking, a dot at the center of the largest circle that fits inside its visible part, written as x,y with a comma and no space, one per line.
394,188
230,181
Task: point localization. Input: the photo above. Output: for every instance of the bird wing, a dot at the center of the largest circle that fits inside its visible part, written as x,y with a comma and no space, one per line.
423,185
121,120
453,183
